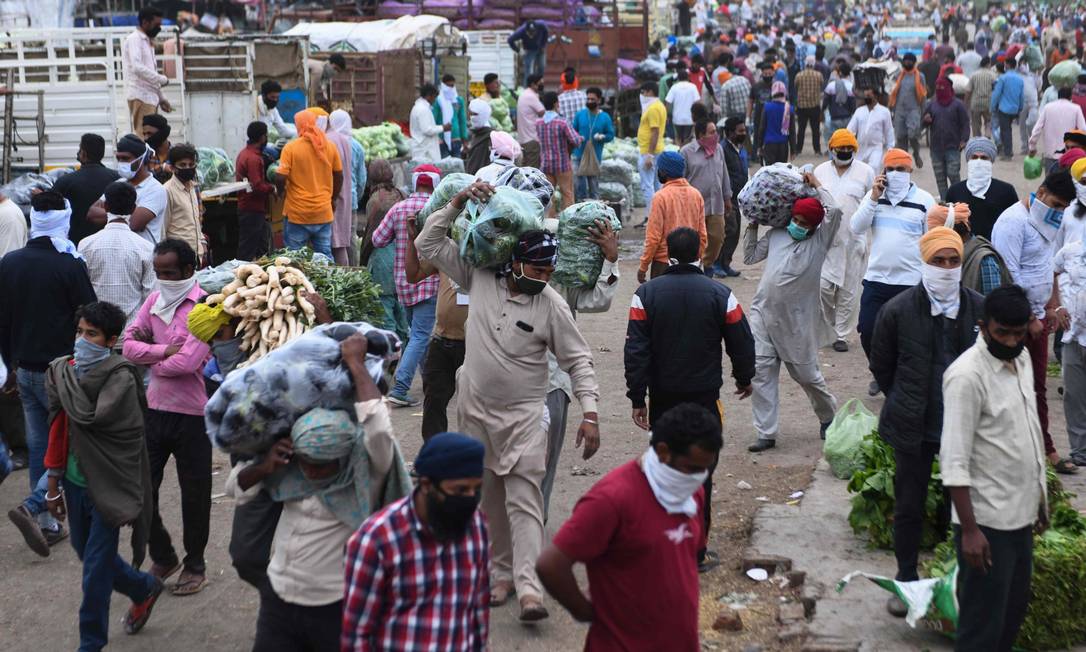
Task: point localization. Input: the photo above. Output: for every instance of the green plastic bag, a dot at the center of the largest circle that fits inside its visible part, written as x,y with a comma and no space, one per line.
932,602
450,186
579,259
487,232
1031,167
844,436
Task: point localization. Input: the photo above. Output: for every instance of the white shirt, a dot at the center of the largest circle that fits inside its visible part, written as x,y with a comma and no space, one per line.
1026,253
150,194
306,566
847,253
12,227
874,128
425,133
275,121
141,78
1070,263
992,441
969,61
681,97
896,232
119,263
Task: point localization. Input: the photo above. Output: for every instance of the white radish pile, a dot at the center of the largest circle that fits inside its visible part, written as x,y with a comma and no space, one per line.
270,303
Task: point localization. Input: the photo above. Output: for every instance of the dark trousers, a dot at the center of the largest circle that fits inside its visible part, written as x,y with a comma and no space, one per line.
443,358
251,537
911,478
254,235
813,116
731,235
1006,134
874,296
184,437
285,627
774,153
1038,353
659,403
104,571
992,605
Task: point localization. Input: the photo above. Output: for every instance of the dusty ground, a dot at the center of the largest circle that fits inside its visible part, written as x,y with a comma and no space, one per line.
39,609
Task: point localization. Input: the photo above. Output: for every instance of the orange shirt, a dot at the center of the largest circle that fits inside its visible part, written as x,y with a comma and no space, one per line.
309,181
676,204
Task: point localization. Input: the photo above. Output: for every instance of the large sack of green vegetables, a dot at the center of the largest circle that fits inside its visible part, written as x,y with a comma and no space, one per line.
487,232
449,165
450,186
579,259
500,119
624,149
616,170
213,166
1064,74
385,141
845,436
610,191
259,404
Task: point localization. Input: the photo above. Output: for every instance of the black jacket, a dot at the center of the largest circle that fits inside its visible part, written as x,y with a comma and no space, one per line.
902,351
737,172
673,337
40,290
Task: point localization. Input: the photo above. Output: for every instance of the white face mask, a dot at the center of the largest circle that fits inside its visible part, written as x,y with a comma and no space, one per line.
897,185
1080,192
943,287
979,176
129,170
646,101
170,296
673,489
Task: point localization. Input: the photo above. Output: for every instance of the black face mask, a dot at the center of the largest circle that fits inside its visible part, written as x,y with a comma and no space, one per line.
528,285
908,65
450,517
153,32
185,174
739,139
1001,351
591,105
843,155
767,80
870,101
271,104
156,139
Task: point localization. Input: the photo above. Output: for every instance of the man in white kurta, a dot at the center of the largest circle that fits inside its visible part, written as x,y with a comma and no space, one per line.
874,128
425,141
785,313
501,388
848,180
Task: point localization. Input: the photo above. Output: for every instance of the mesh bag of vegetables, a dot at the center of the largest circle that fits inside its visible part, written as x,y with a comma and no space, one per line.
450,164
380,141
213,166
530,180
610,191
259,404
616,170
768,197
450,186
499,115
579,259
487,232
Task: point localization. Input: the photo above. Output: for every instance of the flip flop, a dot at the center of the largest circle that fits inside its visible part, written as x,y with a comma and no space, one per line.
500,593
189,584
711,561
1066,467
164,572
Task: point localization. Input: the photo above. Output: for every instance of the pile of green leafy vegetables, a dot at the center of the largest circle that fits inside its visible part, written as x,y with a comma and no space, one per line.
1054,618
350,292
872,513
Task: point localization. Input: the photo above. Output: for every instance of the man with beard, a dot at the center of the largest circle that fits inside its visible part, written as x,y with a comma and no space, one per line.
417,569
873,128
986,196
143,83
267,109
906,100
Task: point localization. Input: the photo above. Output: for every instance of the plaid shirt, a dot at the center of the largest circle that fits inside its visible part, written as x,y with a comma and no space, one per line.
990,277
809,85
570,102
556,139
980,85
733,96
394,227
406,591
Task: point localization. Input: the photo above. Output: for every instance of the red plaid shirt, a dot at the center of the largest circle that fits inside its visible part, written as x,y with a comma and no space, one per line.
407,591
394,227
556,139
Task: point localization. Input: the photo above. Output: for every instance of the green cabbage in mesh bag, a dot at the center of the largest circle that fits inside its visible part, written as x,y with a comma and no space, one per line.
213,166
487,232
450,186
579,259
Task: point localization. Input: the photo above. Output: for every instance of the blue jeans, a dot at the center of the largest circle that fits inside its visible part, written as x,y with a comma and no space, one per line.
36,414
317,236
874,296
104,571
587,187
650,183
533,63
421,316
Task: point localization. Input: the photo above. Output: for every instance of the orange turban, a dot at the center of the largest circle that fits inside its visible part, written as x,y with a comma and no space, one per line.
306,122
939,238
895,156
843,138
940,214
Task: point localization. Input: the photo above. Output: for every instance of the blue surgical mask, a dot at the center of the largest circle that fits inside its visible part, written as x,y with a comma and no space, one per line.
797,232
87,355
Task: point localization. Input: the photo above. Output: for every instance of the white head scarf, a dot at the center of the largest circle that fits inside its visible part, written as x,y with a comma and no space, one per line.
340,122
480,113
54,224
322,123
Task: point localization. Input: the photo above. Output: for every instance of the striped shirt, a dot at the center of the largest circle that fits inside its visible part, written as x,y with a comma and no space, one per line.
981,84
393,227
119,263
556,139
809,86
570,102
733,97
896,231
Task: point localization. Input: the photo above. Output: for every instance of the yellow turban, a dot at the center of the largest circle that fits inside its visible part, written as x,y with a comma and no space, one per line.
205,321
320,113
939,214
939,238
895,157
843,138
1078,168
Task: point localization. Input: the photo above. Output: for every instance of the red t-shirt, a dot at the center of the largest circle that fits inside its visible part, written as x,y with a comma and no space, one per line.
697,78
641,562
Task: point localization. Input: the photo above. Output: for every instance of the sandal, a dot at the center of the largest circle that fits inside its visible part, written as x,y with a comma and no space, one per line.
1066,467
500,593
709,562
164,572
189,583
532,610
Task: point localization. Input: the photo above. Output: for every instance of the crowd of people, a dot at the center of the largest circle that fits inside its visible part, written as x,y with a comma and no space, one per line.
111,349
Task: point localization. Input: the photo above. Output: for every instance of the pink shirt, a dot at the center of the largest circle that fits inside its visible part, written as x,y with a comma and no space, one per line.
177,382
141,78
1056,119
529,110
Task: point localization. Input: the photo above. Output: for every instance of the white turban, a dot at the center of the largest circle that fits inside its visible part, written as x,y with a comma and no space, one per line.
480,113
54,224
341,122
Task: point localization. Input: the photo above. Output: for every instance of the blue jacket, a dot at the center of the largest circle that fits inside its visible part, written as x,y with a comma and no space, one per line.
589,125
1008,93
530,43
